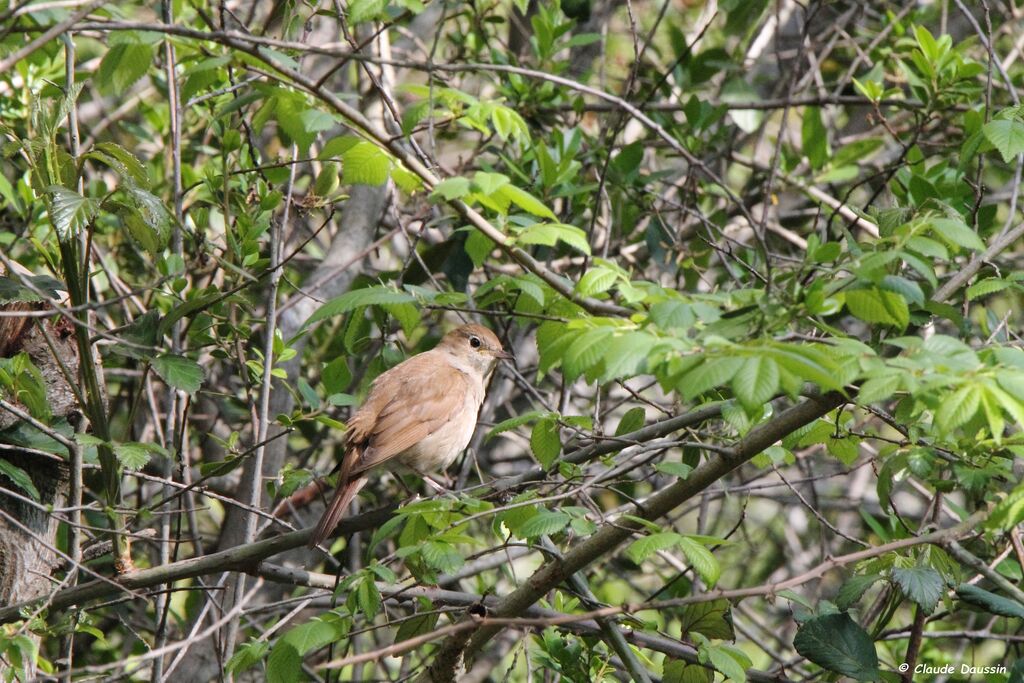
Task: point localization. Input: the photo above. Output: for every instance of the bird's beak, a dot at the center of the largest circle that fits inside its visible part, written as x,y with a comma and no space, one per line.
504,355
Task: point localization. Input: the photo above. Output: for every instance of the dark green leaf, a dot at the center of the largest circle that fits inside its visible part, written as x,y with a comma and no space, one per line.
923,585
854,589
545,442
835,642
20,478
990,602
358,298
710,619
179,372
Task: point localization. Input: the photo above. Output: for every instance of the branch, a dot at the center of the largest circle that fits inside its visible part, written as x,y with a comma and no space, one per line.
243,558
554,572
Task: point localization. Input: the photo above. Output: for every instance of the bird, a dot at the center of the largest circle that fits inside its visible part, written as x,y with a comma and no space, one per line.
421,413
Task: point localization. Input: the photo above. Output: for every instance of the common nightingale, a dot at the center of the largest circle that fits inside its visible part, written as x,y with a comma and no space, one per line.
422,413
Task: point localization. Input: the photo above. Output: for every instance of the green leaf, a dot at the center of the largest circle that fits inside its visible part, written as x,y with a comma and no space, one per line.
1007,136
365,10
545,443
513,422
678,671
544,523
121,160
549,234
247,656
585,351
525,201
284,664
713,372
879,388
835,642
633,420
417,625
123,64
312,635
990,602
642,548
701,559
923,585
756,381
814,138
854,588
956,232
489,183
132,456
451,188
70,212
878,306
358,298
336,375
365,163
989,285
19,478
957,408
725,660
596,281
710,619
442,556
179,372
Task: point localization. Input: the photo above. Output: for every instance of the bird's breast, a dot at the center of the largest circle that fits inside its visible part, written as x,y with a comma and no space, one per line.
437,451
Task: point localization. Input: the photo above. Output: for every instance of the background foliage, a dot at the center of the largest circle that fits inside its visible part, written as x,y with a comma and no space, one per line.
758,262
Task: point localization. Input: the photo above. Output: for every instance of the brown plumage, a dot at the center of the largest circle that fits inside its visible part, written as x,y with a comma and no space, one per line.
422,413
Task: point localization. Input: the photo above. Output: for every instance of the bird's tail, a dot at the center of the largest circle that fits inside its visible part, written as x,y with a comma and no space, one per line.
336,510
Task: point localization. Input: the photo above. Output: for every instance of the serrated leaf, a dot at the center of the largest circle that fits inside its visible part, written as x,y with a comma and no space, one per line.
990,602
123,64
358,298
713,372
284,664
585,351
451,188
417,625
596,281
878,306
854,588
633,420
957,232
710,619
923,585
957,408
549,234
756,381
513,422
701,559
989,285
132,456
545,443
725,661
365,10
70,212
527,202
365,163
642,548
544,523
179,372
19,478
879,388
835,642
678,671
311,635
1007,136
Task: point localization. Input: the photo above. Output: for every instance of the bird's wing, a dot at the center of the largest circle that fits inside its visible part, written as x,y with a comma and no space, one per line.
419,401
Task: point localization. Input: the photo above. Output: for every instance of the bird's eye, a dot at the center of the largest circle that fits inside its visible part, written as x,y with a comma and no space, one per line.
474,342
